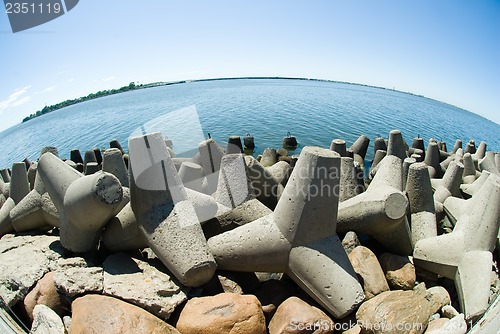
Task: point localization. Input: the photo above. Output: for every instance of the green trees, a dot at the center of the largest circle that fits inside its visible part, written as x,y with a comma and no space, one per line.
101,93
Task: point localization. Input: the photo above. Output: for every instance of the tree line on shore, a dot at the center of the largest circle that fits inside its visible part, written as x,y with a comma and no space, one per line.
91,96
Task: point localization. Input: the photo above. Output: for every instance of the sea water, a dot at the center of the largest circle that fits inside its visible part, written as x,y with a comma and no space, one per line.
315,112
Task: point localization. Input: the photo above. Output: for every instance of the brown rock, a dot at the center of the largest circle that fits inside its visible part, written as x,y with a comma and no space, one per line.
356,329
45,293
366,265
395,312
108,315
438,296
437,324
223,313
399,271
296,316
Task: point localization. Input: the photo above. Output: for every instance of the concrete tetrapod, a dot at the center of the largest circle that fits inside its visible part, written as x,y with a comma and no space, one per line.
407,162
432,160
234,186
397,145
210,156
488,163
19,188
423,214
450,184
464,255
35,211
299,237
379,144
470,172
455,207
192,176
84,203
338,145
265,186
269,157
380,211
458,145
480,152
358,150
360,146
470,147
470,189
166,219
122,232
4,188
113,163
351,179
4,173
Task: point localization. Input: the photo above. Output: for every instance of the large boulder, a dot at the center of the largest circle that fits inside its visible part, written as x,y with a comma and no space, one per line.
44,293
75,277
23,261
395,312
108,315
223,313
46,321
141,284
295,316
366,265
399,271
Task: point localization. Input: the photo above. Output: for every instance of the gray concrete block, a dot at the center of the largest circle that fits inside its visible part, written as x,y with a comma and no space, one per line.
381,210
210,156
298,237
422,209
351,179
360,146
234,186
122,232
18,189
113,163
269,157
488,164
470,189
396,145
166,219
339,146
463,253
84,203
35,211
192,176
450,183
432,160
265,186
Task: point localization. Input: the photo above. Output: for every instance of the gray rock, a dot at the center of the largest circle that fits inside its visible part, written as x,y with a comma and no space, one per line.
435,316
139,283
23,261
350,241
67,323
46,321
73,277
449,311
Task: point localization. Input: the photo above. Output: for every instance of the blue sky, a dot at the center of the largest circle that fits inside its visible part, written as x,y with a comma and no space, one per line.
447,50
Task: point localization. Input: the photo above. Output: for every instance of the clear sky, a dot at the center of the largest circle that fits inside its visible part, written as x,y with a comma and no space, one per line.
447,50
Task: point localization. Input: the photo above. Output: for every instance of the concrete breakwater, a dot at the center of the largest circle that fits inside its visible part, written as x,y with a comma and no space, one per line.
222,242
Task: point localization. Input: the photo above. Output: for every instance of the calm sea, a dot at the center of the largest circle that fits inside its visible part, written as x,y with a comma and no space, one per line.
315,112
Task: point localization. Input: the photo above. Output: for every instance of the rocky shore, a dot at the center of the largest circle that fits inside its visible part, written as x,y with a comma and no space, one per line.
146,242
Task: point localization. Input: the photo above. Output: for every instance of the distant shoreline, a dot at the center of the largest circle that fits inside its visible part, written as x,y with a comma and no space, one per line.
132,86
